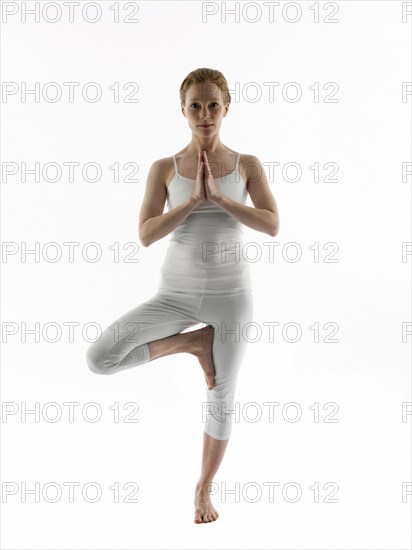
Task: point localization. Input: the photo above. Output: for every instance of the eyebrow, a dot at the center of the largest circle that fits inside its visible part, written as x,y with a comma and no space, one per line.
211,99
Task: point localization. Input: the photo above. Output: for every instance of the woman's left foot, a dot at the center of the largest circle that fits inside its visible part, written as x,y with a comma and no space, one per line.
204,510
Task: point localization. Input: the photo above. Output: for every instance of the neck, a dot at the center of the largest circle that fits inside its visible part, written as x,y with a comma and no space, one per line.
212,145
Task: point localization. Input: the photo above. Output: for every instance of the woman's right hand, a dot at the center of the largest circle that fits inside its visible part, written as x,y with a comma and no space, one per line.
199,193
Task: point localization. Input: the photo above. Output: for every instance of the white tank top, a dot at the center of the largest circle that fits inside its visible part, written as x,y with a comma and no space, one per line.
205,252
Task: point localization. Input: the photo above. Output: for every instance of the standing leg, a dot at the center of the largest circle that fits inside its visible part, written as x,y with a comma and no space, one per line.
228,314
213,452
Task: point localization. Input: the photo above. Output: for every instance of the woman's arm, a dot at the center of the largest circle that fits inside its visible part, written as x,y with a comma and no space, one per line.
153,224
264,216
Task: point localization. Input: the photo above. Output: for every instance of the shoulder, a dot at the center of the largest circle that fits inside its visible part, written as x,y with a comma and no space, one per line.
161,168
251,167
162,163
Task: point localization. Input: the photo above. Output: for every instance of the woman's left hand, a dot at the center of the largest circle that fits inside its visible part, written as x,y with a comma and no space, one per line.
212,192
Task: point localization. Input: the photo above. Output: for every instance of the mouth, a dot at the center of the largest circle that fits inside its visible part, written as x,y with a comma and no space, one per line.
206,125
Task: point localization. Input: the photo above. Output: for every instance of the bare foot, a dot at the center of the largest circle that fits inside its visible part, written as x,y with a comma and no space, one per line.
202,349
204,510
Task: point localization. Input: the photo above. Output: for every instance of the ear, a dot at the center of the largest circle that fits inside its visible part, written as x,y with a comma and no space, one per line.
183,111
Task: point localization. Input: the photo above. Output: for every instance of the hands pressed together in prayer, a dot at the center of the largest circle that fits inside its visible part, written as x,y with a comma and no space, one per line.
205,185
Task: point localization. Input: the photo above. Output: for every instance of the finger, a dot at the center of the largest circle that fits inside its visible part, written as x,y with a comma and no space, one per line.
205,165
204,173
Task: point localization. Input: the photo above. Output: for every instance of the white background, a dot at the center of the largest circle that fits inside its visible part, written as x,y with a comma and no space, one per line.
362,218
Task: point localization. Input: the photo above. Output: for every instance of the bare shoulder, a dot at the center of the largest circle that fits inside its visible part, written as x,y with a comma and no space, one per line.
160,169
251,167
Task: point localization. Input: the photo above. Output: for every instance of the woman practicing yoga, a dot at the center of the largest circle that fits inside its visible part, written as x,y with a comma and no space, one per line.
205,277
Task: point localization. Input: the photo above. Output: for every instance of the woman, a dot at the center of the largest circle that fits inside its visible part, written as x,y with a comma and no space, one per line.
205,277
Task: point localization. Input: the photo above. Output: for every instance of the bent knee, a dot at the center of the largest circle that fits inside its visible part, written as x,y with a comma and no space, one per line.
96,362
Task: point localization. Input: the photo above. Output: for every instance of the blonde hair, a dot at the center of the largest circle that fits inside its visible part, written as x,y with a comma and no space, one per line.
205,75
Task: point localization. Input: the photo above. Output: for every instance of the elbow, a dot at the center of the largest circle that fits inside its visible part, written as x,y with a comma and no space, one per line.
145,242
274,229
143,237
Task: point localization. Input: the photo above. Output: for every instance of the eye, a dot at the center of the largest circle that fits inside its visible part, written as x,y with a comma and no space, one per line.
197,104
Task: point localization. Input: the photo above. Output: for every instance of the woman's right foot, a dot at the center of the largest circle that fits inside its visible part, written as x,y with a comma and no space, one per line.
202,349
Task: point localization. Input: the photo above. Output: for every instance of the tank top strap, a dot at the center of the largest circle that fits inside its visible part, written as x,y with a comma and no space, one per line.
175,163
237,163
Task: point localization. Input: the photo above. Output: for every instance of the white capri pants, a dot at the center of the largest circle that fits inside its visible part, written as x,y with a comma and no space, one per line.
170,312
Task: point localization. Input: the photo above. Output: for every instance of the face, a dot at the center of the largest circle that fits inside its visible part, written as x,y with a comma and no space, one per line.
204,106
